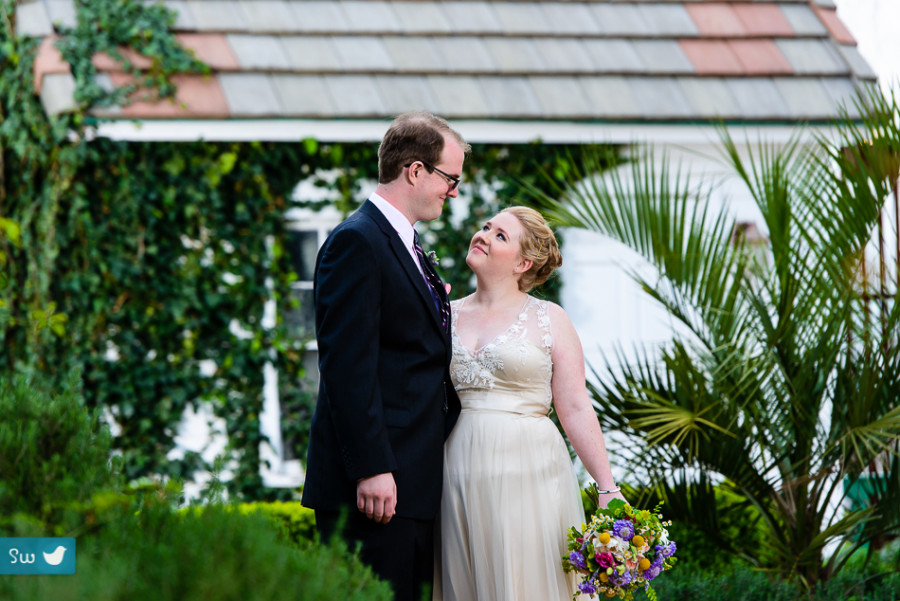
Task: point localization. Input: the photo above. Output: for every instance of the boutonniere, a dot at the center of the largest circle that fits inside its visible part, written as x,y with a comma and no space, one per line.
433,258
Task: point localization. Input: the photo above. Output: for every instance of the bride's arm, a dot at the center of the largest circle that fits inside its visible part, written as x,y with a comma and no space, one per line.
570,398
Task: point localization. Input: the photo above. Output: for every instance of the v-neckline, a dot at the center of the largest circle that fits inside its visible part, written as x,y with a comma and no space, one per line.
503,332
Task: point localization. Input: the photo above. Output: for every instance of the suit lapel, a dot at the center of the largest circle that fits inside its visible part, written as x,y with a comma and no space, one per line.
405,260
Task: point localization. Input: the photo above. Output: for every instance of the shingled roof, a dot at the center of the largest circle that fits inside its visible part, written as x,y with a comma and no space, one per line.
635,61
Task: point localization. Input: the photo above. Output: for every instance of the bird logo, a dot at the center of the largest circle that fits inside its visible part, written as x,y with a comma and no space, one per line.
55,558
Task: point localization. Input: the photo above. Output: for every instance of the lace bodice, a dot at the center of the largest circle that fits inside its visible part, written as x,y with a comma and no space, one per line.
512,372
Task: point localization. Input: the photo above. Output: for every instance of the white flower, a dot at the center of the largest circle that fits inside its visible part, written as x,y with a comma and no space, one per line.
614,546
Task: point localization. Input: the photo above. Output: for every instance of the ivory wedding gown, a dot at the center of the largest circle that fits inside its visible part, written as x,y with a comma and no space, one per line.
510,492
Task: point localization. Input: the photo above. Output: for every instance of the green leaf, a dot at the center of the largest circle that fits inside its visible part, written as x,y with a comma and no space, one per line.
11,231
311,146
226,162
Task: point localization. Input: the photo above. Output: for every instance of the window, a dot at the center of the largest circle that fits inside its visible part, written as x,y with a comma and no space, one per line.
307,232
302,246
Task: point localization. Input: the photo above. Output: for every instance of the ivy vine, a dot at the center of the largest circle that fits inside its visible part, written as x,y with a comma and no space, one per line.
113,28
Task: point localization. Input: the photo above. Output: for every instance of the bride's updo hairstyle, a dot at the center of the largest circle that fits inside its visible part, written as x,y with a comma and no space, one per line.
538,244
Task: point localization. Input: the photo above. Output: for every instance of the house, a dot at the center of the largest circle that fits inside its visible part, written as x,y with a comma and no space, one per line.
616,71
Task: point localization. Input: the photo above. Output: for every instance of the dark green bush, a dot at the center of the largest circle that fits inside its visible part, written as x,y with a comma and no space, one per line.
218,553
884,559
744,584
54,454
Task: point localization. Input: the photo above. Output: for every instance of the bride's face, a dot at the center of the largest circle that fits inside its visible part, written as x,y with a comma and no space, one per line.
495,247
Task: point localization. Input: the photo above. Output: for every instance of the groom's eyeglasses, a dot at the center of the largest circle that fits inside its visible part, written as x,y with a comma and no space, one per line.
452,181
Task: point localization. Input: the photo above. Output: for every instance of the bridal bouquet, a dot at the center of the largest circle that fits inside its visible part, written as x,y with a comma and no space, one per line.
620,550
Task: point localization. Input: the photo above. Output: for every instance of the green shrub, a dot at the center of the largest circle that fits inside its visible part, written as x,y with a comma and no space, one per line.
218,553
744,584
295,523
54,454
885,559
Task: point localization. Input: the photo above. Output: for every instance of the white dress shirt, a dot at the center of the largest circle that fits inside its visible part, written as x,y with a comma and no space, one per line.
401,224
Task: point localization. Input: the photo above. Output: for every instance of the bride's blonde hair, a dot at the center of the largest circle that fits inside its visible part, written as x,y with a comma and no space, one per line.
537,244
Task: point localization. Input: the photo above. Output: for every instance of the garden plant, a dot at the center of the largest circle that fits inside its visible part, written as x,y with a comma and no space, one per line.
780,385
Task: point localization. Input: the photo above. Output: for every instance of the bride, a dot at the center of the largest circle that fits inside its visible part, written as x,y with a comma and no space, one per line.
510,492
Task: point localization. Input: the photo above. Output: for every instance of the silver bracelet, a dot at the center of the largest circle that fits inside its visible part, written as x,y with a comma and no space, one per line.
610,491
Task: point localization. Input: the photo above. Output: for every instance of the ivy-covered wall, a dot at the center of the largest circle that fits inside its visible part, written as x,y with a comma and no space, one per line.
146,267
137,264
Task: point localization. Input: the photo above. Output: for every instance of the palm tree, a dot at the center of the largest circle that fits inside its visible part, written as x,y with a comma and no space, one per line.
782,380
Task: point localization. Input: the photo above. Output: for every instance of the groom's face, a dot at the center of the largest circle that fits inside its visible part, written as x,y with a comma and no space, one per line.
433,187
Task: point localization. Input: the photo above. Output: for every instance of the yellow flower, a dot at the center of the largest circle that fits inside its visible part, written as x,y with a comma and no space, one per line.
644,564
637,541
603,538
604,577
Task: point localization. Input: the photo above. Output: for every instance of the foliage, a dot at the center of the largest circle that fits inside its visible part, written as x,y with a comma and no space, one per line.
165,272
295,523
9,234
160,555
784,371
54,454
883,560
744,584
162,259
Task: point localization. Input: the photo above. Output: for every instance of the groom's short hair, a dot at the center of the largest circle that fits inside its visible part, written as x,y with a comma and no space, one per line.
413,136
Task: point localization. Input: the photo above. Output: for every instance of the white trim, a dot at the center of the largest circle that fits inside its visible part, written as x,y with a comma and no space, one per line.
475,131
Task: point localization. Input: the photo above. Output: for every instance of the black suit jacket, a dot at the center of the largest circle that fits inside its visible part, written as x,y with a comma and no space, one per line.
386,402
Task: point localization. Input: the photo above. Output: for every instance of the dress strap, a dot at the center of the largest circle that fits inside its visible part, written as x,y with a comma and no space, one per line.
454,313
543,320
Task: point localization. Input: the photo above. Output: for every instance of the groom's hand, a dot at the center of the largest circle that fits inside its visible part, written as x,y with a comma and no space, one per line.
376,497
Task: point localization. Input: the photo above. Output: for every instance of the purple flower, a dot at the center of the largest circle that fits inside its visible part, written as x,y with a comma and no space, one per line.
605,560
666,550
620,579
577,560
588,588
654,570
624,529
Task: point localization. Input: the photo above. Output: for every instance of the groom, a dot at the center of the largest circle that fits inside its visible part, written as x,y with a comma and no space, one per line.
386,403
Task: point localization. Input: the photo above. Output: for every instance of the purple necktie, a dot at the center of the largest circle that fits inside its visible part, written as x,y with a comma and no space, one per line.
434,283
